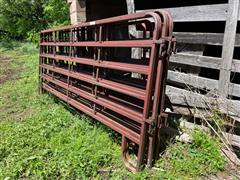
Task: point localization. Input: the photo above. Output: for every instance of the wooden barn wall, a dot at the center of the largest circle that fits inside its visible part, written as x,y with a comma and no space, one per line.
208,52
206,68
205,71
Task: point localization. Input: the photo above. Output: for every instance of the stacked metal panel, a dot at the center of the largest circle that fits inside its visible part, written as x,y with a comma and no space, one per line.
89,66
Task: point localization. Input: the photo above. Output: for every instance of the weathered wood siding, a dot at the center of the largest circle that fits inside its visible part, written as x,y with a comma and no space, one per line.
221,85
187,91
206,70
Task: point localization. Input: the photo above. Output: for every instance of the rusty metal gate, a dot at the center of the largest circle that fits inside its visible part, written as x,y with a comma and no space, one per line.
89,66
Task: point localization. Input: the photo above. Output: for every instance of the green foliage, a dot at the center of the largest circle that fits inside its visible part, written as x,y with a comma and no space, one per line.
219,120
56,12
200,158
23,19
6,43
40,139
33,36
53,145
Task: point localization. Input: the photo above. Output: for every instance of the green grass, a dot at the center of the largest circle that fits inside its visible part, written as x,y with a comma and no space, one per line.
200,158
39,137
42,139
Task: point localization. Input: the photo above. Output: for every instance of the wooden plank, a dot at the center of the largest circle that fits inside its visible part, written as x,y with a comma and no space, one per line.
192,80
199,38
233,157
202,61
228,47
130,6
236,66
196,60
216,12
183,97
200,82
234,89
197,113
234,139
203,38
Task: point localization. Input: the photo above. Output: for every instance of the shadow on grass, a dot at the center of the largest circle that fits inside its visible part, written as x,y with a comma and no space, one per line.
116,137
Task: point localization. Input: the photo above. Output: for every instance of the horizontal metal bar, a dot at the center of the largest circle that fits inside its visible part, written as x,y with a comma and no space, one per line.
105,102
100,117
125,89
114,20
136,68
122,43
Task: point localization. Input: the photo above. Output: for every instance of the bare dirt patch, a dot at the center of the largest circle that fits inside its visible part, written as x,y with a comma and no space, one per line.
7,73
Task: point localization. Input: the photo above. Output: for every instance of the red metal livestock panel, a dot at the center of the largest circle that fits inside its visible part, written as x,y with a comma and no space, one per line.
89,66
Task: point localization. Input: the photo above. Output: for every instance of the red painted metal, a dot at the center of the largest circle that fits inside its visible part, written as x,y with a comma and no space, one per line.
89,66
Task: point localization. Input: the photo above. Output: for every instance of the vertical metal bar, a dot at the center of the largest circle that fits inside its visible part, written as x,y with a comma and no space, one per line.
168,32
39,68
54,54
147,100
98,59
94,88
40,80
155,110
69,63
146,109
